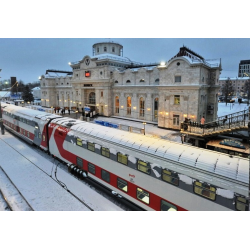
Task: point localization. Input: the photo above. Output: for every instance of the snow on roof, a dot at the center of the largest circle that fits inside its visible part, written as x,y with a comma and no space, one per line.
112,57
212,63
233,78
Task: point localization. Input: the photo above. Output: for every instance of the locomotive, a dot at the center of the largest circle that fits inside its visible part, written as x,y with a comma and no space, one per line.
154,174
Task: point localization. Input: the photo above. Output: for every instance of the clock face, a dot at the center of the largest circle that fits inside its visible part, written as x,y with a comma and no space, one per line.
87,61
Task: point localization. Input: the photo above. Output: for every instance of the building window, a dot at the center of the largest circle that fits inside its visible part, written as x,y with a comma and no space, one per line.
128,105
156,108
98,49
116,81
142,80
105,175
91,168
143,167
176,120
177,78
91,146
205,190
92,98
123,185
122,158
170,177
113,49
142,195
177,99
101,93
166,206
117,104
105,49
105,152
142,110
128,81
157,80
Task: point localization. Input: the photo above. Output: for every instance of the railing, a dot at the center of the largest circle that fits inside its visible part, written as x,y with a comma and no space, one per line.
227,123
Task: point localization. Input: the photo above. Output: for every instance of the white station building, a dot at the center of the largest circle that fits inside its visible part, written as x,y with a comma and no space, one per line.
112,85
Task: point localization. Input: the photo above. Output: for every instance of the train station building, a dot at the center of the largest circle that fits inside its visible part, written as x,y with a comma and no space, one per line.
112,85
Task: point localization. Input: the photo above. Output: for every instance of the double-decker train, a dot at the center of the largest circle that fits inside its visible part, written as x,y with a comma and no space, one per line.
154,174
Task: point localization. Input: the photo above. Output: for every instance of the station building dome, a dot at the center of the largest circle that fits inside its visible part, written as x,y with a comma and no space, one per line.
107,48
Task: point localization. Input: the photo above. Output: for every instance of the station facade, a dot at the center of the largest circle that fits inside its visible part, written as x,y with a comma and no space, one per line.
112,85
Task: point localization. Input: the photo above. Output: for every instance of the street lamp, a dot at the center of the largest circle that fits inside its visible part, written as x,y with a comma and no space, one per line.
144,123
76,113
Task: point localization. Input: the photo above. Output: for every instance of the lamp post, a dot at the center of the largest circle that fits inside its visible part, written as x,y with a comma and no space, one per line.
144,123
76,113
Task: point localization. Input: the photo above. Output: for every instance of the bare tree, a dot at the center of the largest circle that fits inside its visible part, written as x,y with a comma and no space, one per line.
227,90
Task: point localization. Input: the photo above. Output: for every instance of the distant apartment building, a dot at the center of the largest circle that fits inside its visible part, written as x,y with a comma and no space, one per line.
244,68
237,83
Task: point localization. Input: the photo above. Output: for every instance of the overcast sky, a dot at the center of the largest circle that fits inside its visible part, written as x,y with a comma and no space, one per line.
27,58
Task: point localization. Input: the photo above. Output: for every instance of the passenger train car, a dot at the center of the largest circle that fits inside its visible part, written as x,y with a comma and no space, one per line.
154,174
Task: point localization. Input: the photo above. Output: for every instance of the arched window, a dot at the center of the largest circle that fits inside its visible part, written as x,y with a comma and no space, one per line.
157,80
156,101
117,103
113,49
142,110
127,81
92,98
116,81
105,49
128,105
142,80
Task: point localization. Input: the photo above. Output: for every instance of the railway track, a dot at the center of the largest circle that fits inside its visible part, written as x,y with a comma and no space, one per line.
4,206
12,196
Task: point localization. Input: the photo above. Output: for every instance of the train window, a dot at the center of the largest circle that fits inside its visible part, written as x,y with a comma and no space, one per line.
39,135
91,168
122,158
105,175
142,195
170,177
24,120
105,152
166,206
123,185
143,167
91,146
43,137
79,162
241,204
205,190
28,134
79,142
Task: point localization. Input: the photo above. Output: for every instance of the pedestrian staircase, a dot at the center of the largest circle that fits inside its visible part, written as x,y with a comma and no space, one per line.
234,122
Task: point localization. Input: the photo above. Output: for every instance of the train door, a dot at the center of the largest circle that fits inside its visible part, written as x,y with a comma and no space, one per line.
38,135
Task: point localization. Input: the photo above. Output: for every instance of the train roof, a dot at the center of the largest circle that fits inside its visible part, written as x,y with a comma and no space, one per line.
235,168
28,112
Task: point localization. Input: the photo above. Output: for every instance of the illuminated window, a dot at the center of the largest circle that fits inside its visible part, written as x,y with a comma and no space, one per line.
105,175
170,177
205,190
142,106
166,206
177,99
123,185
241,204
143,167
128,105
142,195
92,98
91,168
79,142
122,158
105,152
91,146
43,137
